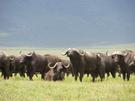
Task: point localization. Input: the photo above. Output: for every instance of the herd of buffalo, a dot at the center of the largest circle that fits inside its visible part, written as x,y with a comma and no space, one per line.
80,62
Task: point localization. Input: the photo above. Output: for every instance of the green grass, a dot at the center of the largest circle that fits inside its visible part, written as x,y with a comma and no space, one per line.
21,89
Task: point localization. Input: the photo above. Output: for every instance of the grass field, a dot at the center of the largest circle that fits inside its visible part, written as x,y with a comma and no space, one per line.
21,89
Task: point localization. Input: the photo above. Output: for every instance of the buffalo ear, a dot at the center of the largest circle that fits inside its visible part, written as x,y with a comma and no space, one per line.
98,57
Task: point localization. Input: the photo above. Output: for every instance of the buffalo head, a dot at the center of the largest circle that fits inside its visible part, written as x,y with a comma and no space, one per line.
59,69
118,57
72,52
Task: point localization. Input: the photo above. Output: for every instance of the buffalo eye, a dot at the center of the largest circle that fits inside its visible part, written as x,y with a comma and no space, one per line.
112,57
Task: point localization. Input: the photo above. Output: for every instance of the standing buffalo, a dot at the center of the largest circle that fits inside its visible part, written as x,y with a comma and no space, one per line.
34,63
4,65
107,62
38,63
83,61
17,65
125,60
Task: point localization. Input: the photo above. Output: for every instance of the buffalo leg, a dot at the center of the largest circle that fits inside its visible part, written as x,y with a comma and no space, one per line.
5,76
42,76
30,73
81,76
93,77
87,74
102,73
113,74
128,76
102,76
76,76
108,74
23,72
31,76
124,75
6,73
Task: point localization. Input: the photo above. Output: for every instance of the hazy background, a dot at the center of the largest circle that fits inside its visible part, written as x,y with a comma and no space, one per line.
66,23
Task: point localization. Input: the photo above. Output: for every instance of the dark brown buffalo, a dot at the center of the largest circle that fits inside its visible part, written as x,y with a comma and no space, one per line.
11,59
4,65
17,65
131,62
125,60
36,63
107,62
60,68
83,61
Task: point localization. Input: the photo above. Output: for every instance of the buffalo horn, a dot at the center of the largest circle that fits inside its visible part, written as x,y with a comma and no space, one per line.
51,67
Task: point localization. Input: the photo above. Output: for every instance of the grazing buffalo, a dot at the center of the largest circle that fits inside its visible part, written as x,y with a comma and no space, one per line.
60,68
4,65
83,61
107,62
125,61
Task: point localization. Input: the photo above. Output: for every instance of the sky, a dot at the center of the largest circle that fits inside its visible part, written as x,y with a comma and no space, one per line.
66,23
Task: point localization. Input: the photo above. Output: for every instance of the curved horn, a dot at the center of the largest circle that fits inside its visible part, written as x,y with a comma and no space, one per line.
51,67
66,66
29,54
117,53
12,58
81,52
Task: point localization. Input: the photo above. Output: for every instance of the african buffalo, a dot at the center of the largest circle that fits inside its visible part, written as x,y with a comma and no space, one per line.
17,65
34,63
60,68
4,65
107,62
83,61
38,63
124,60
